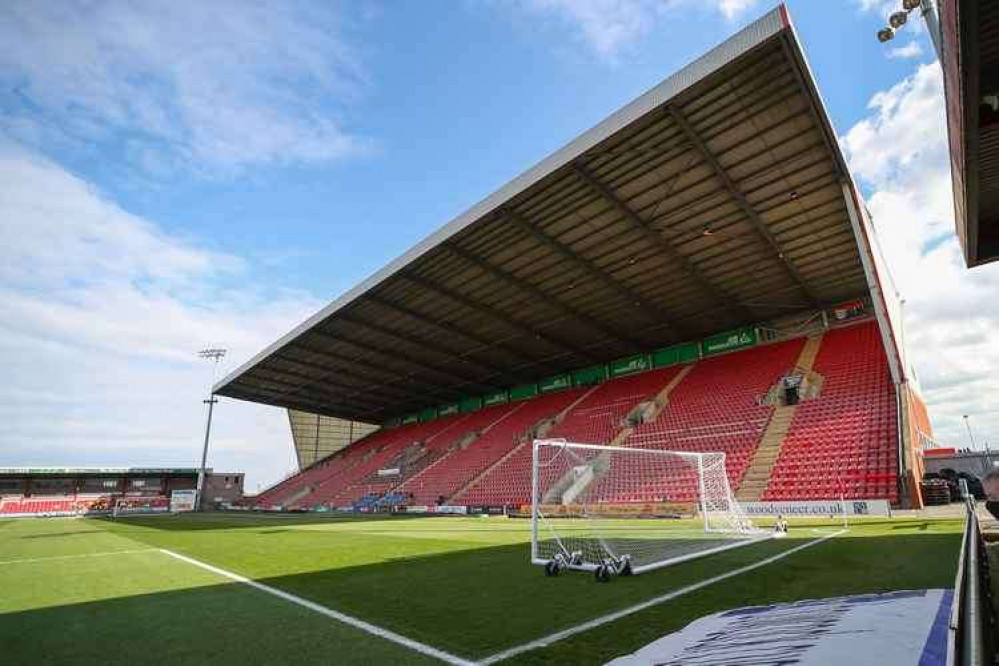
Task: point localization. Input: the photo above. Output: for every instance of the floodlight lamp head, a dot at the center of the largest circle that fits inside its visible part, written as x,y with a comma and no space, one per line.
898,19
909,5
212,353
885,35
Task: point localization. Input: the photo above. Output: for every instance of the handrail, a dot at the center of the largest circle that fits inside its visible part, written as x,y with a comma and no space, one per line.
967,643
973,639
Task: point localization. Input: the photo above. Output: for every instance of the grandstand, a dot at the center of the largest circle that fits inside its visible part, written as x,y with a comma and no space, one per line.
672,278
695,276
26,491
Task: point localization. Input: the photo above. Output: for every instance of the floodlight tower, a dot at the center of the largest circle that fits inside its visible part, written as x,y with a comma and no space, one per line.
971,436
215,355
899,18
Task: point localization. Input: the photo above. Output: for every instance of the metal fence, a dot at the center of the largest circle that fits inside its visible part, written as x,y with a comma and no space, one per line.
970,639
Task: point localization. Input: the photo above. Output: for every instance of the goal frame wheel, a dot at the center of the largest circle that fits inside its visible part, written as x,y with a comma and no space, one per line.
603,574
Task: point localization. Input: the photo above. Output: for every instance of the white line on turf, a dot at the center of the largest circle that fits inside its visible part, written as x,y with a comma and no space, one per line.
328,612
611,617
70,557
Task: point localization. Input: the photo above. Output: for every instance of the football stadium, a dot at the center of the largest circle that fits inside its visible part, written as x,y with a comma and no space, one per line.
647,403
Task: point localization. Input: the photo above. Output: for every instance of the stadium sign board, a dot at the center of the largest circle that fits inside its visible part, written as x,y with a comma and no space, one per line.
907,627
487,511
593,375
739,338
556,383
630,364
497,398
849,507
523,391
182,500
676,354
470,403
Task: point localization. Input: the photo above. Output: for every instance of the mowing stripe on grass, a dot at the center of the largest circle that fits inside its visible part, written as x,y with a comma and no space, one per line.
70,557
655,601
328,612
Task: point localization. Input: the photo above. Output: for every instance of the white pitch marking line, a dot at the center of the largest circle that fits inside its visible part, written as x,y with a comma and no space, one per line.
70,557
617,615
328,612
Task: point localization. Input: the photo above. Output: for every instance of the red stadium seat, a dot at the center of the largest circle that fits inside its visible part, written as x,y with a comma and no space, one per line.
843,444
840,443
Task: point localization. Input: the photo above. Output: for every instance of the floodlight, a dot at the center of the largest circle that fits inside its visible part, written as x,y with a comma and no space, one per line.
885,34
898,19
909,5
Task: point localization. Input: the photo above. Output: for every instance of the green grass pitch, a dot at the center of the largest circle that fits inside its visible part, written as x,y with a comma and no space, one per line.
92,591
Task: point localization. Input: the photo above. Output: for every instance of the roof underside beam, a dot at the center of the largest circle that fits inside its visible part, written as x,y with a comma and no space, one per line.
450,328
521,327
656,314
259,394
321,389
425,345
428,388
401,359
538,294
673,255
740,200
348,395
367,387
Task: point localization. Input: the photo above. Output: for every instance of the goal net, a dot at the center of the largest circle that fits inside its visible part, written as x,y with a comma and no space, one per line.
627,510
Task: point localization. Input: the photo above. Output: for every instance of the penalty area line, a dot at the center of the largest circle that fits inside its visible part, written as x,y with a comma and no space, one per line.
655,601
350,620
28,560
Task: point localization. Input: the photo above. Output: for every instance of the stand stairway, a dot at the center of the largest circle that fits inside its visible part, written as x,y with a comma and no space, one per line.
757,476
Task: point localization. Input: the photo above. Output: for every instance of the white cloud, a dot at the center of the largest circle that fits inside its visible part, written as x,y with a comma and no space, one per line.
910,50
100,315
732,9
609,28
885,7
900,155
212,86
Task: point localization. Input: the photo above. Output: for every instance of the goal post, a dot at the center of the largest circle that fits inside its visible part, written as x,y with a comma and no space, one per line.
624,510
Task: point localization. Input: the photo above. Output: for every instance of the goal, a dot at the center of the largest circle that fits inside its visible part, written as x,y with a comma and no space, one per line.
622,510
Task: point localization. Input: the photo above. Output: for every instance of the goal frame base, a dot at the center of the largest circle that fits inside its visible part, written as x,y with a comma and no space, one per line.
739,543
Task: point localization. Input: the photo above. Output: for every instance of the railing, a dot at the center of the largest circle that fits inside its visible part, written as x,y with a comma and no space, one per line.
969,639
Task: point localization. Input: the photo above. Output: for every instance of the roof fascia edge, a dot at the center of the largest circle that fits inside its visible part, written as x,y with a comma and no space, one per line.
812,89
757,32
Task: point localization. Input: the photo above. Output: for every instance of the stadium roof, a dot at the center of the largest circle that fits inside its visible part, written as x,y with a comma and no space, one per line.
970,57
715,200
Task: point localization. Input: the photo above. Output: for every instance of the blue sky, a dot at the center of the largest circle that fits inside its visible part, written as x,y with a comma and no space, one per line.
209,173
